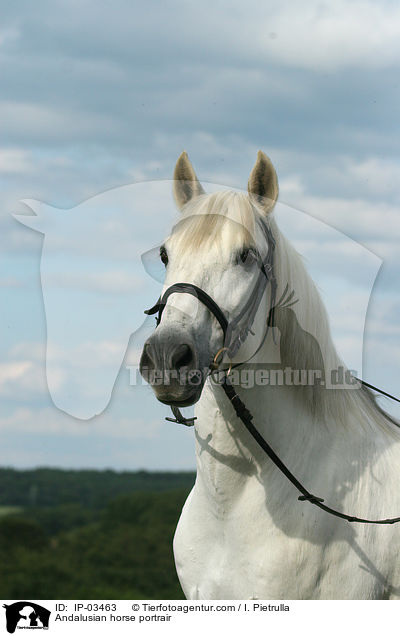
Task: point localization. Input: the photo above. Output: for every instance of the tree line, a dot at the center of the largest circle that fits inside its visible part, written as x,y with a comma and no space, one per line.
89,534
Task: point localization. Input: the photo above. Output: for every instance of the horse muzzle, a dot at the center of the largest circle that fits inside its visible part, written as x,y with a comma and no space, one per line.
170,364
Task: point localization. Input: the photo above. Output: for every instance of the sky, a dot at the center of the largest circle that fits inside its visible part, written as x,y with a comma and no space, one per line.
101,98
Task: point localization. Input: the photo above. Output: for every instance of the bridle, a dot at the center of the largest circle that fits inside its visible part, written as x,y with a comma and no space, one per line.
234,336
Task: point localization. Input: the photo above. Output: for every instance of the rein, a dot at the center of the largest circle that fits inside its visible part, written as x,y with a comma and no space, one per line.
246,417
231,346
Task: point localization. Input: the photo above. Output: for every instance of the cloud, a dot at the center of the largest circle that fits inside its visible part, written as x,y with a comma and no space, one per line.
376,176
10,281
22,381
114,282
365,220
15,161
26,122
8,36
121,77
318,35
48,421
13,370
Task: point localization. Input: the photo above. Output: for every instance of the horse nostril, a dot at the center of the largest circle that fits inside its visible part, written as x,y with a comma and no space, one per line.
148,359
182,356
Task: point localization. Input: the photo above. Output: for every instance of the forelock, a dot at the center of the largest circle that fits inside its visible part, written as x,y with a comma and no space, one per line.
225,221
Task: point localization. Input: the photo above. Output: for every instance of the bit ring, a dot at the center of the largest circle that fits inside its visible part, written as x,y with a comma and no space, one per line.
216,362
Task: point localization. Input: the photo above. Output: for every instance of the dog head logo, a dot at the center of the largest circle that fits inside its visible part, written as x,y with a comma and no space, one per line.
25,614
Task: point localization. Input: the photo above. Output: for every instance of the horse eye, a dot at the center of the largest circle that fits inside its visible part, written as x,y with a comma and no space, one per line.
247,256
164,255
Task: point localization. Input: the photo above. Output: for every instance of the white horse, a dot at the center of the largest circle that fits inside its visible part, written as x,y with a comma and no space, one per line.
243,533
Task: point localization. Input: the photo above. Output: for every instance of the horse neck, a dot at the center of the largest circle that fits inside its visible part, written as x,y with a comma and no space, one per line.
327,458
230,464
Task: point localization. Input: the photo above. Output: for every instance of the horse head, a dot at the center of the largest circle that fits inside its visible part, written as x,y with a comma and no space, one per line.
218,247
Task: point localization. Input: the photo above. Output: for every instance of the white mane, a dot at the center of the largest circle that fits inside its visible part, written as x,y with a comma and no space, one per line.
343,405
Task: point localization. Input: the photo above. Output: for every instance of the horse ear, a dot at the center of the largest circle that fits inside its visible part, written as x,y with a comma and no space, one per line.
263,183
186,184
